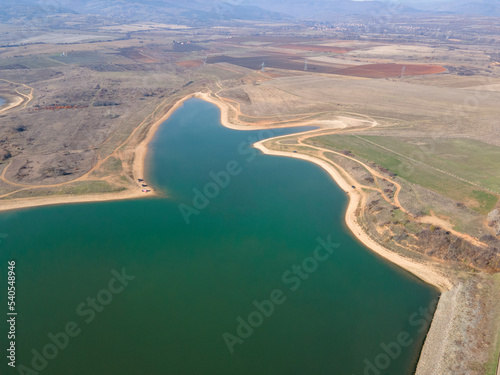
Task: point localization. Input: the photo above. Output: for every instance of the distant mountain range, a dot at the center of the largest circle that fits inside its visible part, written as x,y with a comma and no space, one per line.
27,10
490,8
199,9
323,9
141,10
211,10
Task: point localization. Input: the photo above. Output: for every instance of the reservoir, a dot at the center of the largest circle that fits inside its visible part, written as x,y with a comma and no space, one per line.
245,267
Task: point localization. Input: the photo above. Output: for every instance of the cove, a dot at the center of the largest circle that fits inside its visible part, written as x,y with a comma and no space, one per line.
189,284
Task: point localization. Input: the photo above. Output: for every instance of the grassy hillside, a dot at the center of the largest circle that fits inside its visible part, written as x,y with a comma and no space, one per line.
464,170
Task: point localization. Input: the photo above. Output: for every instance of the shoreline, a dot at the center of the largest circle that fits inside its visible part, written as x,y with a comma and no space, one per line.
141,150
227,123
440,333
421,271
138,167
138,171
437,338
224,113
445,326
441,282
10,103
22,203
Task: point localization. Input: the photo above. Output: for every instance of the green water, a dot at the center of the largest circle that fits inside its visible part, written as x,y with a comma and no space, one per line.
192,281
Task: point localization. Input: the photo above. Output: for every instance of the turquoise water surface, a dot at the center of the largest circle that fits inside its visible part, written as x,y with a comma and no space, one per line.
261,277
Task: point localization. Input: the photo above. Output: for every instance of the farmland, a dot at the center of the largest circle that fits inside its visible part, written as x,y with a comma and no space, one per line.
293,62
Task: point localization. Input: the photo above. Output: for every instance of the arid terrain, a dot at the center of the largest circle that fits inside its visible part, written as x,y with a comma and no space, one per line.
411,124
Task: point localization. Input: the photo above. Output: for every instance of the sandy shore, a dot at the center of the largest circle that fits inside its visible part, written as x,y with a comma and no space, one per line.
141,151
15,204
139,161
224,113
438,338
138,169
440,353
229,123
12,102
422,271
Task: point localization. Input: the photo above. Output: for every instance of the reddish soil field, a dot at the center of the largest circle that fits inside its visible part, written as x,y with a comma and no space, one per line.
315,48
290,62
190,63
391,70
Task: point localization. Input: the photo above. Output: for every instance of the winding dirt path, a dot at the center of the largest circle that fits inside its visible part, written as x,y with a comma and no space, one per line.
115,152
23,98
84,177
303,118
377,175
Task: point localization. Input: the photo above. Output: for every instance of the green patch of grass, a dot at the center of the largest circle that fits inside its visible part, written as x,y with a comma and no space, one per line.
398,215
124,180
89,187
486,200
77,188
447,155
472,160
111,166
412,227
